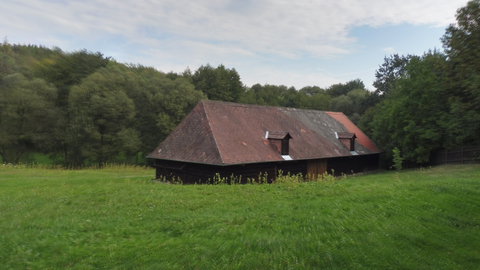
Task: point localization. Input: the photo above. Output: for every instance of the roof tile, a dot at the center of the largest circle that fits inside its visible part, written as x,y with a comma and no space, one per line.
223,133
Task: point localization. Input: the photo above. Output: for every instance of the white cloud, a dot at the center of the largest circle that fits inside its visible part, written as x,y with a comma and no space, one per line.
284,27
389,50
183,32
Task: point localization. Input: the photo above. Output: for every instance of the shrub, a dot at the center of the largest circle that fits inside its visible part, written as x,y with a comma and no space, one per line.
397,159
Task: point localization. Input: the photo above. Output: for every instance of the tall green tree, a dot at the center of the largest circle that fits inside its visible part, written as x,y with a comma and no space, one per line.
137,101
353,104
392,69
462,42
412,117
339,89
218,83
7,61
311,90
161,102
273,95
102,116
24,58
69,69
27,116
66,70
342,103
316,101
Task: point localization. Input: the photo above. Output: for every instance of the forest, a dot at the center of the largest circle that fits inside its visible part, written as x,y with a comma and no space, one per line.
85,109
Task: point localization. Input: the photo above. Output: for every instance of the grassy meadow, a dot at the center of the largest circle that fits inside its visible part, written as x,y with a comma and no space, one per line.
117,218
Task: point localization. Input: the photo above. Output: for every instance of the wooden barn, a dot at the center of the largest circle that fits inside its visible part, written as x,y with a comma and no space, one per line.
246,140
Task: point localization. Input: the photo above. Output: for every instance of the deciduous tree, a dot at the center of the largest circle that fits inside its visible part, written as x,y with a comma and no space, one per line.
27,116
412,116
392,69
462,42
218,83
102,117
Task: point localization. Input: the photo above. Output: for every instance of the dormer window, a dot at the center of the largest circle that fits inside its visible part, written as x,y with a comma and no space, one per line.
347,139
280,141
285,147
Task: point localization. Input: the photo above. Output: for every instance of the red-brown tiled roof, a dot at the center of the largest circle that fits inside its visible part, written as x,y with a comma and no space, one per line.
362,138
346,135
223,133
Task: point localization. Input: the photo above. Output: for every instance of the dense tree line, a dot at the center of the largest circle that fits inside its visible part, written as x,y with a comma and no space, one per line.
429,102
83,108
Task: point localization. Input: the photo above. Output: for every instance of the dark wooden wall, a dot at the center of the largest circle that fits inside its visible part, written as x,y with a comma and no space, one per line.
191,173
198,173
316,168
353,164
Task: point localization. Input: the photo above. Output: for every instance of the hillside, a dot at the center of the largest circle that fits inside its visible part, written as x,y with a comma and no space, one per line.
118,218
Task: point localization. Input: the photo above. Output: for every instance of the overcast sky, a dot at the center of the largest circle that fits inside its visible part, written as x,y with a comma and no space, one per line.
290,42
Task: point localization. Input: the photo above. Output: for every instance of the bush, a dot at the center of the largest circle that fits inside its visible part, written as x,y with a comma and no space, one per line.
397,159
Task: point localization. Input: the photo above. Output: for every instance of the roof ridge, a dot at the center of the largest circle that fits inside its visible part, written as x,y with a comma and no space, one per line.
213,134
334,112
262,106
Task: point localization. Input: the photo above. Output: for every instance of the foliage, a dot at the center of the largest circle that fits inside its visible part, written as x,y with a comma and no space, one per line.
350,98
24,58
218,83
102,114
83,108
311,90
161,101
397,159
343,88
175,102
461,42
411,117
27,115
7,61
270,95
67,70
392,69
433,101
117,218
110,112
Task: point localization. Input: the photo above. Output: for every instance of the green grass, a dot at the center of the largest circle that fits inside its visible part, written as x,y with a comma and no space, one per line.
116,218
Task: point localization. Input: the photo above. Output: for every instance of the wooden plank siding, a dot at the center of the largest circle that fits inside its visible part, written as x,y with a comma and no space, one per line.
191,173
316,168
200,173
353,164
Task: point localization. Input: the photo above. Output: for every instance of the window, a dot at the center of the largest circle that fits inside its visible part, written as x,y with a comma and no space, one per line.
285,146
